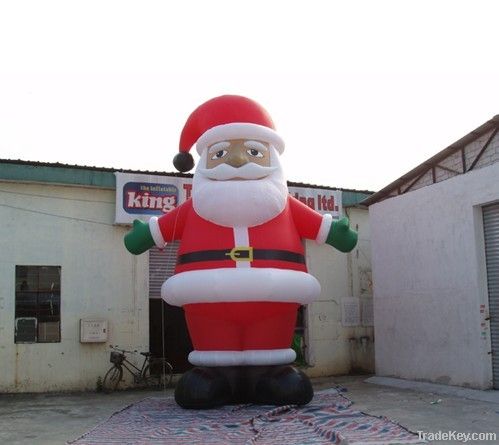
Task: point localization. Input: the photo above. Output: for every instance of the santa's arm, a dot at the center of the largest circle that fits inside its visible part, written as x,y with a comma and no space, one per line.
322,228
156,232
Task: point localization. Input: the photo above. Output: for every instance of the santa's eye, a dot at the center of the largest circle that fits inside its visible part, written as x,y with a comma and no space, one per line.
219,154
255,153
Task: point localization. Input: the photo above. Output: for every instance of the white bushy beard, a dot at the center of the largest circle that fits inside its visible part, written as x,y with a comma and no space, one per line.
239,202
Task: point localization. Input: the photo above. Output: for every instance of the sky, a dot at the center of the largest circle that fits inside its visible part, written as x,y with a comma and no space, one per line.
361,91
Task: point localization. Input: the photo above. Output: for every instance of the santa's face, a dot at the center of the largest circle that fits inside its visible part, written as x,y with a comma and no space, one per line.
239,182
238,152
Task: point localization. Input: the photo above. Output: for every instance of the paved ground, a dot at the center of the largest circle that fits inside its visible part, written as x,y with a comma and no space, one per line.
52,419
423,411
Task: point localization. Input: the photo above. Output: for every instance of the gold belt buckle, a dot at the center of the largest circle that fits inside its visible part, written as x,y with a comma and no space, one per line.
235,253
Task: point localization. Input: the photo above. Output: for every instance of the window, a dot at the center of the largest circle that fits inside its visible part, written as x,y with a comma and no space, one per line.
38,304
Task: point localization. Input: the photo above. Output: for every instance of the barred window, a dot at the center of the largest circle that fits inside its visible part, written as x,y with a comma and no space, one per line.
38,304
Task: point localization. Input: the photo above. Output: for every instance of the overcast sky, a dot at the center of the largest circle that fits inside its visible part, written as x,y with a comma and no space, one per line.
361,91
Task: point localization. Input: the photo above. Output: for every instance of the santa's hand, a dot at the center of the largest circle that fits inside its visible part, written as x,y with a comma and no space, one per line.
139,239
341,236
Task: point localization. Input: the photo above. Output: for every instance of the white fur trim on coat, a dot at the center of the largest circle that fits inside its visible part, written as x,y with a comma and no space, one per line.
238,130
239,285
156,232
254,357
324,229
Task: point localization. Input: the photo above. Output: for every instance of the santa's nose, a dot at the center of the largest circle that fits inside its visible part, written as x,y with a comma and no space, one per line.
237,159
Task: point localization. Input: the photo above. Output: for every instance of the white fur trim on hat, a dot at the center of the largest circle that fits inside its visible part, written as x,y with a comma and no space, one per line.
254,357
239,131
238,284
324,229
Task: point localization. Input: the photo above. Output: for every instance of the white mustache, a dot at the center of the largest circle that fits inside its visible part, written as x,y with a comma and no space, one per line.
224,172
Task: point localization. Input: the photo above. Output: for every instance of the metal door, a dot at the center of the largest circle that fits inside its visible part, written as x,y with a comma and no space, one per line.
491,231
168,335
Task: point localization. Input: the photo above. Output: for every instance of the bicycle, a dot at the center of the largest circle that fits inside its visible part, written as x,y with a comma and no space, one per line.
155,372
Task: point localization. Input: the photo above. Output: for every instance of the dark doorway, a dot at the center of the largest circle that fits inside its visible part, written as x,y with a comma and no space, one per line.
168,333
167,326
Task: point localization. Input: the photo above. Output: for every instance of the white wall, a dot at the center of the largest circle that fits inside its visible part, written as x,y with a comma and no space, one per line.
429,281
101,280
333,348
98,279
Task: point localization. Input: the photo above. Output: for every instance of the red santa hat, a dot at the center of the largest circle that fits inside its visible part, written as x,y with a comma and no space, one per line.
223,118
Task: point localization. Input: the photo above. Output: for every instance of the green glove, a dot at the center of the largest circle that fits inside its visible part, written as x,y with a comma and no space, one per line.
341,236
139,239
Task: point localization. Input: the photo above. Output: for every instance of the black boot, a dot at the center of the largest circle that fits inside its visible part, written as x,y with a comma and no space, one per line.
201,388
283,385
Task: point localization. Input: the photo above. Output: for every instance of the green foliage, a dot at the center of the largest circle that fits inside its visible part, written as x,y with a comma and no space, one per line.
98,386
297,346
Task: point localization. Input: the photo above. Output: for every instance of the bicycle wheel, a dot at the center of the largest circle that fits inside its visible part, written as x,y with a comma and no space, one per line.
162,374
112,379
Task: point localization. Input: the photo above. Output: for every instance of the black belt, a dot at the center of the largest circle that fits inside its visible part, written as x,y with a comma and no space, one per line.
241,254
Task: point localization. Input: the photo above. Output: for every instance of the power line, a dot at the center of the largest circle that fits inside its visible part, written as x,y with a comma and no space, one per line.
56,216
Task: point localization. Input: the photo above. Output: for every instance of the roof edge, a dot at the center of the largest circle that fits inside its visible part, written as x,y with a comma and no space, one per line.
412,174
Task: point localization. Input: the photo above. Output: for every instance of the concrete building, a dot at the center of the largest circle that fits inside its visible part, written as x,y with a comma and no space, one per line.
70,289
435,253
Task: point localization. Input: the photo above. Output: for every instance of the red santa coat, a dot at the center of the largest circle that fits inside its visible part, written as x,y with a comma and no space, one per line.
209,278
241,286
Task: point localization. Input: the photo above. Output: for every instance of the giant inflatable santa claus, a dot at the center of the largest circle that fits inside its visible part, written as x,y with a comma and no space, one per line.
241,273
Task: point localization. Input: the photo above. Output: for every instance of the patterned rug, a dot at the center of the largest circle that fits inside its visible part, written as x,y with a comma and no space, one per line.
328,419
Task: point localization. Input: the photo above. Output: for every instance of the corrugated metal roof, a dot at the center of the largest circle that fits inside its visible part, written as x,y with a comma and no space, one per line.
147,172
421,168
91,168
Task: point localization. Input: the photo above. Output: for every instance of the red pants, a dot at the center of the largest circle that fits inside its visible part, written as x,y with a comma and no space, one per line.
241,326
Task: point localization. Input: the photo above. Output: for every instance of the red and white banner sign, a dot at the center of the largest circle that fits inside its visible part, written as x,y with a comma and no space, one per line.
142,196
321,200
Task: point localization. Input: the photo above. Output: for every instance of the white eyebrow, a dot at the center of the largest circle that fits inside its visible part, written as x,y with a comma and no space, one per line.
256,145
219,146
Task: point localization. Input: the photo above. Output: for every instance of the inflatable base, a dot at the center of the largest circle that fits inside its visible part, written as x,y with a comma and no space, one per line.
206,387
